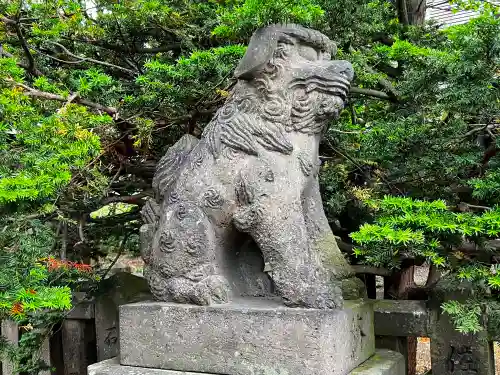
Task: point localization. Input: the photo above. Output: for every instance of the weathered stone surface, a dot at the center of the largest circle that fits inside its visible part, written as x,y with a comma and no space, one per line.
113,367
402,318
119,289
239,212
454,353
74,353
246,337
384,362
83,309
10,330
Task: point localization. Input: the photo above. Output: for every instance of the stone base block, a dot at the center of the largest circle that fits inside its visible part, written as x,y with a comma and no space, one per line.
248,337
384,362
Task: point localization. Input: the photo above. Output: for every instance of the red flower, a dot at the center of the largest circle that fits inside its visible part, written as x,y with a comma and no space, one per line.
82,267
55,264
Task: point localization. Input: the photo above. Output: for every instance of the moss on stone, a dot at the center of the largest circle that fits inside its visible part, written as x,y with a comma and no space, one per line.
332,258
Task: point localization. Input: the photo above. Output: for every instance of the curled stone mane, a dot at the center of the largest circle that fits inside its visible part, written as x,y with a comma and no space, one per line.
269,100
240,125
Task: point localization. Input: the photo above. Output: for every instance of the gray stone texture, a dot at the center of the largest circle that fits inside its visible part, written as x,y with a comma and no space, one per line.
238,212
402,318
113,367
10,331
452,352
383,362
246,337
117,290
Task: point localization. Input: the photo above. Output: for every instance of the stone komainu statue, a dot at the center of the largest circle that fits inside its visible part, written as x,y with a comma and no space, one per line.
239,213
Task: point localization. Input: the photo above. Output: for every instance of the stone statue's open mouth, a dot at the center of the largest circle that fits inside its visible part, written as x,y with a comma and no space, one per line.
335,85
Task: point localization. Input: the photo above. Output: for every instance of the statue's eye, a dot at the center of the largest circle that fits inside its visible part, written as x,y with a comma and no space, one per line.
308,53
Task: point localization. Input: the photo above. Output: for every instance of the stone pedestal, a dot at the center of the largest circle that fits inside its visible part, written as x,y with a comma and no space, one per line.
248,337
383,362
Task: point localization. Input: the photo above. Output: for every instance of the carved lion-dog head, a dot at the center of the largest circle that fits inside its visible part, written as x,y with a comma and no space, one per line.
287,82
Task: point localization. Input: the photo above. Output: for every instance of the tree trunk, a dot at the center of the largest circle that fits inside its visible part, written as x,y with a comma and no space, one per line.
411,12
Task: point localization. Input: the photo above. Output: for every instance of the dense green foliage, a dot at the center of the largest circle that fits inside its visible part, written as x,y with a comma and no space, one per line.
428,230
93,92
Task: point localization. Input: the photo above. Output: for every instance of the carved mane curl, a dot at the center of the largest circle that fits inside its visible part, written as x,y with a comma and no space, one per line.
266,103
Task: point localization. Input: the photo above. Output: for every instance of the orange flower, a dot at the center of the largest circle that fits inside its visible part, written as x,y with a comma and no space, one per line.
17,308
31,291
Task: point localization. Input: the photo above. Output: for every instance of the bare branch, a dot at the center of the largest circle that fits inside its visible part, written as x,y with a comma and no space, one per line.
126,49
64,244
30,67
8,21
119,253
81,59
403,12
370,92
26,49
81,224
49,96
137,199
386,84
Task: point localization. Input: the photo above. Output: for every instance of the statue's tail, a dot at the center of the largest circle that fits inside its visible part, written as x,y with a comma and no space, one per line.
167,172
168,167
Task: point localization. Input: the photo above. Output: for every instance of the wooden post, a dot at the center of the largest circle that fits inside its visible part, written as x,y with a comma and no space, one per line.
398,286
10,331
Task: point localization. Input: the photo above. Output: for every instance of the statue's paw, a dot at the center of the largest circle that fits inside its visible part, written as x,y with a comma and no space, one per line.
353,288
219,289
185,291
327,297
212,290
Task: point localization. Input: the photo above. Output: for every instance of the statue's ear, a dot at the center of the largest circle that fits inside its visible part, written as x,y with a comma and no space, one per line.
260,50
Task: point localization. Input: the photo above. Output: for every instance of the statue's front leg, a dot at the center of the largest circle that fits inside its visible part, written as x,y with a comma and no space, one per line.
324,243
277,225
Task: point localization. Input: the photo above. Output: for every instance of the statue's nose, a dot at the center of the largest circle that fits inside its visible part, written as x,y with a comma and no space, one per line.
343,68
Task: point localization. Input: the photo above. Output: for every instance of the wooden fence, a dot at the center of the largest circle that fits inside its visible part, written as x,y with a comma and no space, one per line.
89,333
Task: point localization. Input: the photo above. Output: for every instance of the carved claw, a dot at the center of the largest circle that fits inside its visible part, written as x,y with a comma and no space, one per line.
327,297
219,289
212,290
